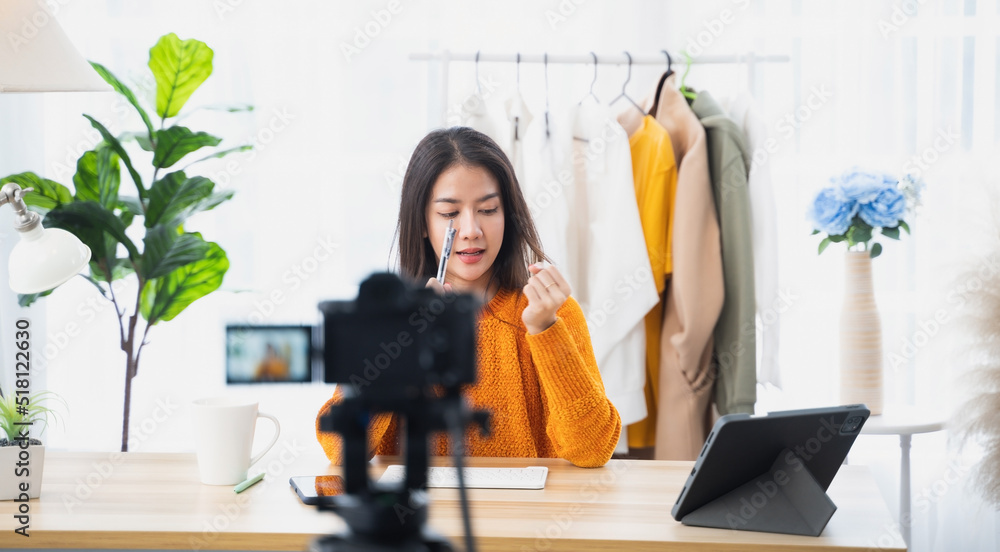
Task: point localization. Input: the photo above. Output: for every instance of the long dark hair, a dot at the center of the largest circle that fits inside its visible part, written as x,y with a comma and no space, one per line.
437,152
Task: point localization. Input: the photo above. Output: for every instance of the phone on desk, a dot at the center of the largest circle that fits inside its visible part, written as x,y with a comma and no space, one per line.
317,489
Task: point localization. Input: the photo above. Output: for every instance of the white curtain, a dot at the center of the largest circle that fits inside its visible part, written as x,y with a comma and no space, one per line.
895,86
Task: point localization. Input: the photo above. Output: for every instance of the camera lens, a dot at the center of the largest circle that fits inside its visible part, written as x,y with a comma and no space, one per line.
851,424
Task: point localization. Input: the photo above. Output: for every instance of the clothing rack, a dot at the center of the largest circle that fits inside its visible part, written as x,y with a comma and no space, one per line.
446,57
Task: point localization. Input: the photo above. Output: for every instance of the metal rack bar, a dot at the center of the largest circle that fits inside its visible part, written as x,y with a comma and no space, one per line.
447,57
613,59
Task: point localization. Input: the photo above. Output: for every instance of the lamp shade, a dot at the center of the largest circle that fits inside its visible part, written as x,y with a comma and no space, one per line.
37,56
45,258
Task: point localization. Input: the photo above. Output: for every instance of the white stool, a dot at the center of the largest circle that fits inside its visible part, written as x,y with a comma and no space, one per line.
905,422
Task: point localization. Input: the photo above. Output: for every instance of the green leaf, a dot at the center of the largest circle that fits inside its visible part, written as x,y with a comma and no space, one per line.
904,226
47,194
220,154
120,268
142,139
98,177
129,208
875,251
89,221
814,232
892,233
117,146
859,234
174,195
126,216
103,251
210,202
26,299
823,245
838,238
132,205
180,66
166,297
15,416
124,91
85,179
166,250
173,143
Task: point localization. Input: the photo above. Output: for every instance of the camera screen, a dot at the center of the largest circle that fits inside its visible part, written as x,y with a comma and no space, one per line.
268,354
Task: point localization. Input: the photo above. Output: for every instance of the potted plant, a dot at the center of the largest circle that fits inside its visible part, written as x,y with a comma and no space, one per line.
22,457
855,206
171,266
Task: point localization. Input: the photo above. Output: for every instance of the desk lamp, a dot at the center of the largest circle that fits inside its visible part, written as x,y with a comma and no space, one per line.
44,258
37,56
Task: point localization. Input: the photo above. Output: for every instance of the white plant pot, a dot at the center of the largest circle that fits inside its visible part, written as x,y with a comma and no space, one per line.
10,482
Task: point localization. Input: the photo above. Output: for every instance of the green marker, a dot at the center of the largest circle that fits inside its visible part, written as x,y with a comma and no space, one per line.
248,483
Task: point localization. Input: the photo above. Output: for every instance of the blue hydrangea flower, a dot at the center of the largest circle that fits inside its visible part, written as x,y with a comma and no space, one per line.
862,186
885,209
832,211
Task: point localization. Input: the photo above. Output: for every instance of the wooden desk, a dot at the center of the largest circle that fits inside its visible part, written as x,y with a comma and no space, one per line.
154,501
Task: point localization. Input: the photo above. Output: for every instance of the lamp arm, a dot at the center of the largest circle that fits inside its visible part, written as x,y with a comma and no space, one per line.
12,193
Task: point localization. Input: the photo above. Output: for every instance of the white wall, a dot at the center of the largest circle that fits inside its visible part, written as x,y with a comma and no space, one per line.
332,131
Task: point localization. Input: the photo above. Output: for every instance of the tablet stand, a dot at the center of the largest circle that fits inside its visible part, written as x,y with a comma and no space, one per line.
785,499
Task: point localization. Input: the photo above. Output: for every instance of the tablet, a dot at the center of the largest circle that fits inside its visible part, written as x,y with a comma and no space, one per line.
741,448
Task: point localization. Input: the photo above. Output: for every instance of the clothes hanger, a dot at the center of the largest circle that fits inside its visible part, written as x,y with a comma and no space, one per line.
479,87
517,119
474,107
546,62
688,93
663,79
592,83
625,94
582,122
517,67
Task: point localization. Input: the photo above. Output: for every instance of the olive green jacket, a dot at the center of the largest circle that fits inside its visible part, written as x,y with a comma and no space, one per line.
735,332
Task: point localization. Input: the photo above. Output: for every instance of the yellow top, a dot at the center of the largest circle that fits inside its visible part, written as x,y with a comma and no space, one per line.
544,392
655,172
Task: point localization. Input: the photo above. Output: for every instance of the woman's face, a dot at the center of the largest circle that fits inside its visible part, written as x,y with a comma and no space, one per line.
470,197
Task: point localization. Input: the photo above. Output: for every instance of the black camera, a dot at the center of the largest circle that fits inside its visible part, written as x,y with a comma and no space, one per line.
406,351
396,340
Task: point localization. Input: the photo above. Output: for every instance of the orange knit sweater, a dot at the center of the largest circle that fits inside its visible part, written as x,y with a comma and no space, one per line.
544,391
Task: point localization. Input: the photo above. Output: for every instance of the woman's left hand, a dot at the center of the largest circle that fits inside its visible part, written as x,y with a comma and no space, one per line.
546,291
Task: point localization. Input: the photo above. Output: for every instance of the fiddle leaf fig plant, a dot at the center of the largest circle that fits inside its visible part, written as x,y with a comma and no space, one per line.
141,234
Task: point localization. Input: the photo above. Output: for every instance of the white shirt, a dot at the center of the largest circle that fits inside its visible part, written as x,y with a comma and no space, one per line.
581,196
765,237
607,255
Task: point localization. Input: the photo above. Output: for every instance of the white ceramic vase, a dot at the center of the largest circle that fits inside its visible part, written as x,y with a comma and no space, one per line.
860,336
9,480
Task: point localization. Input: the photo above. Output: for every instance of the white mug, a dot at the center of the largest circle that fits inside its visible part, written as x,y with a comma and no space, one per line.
224,429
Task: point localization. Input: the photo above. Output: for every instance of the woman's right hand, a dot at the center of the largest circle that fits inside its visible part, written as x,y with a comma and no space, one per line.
434,284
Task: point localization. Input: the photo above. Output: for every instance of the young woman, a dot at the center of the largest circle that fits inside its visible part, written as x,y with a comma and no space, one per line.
536,369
